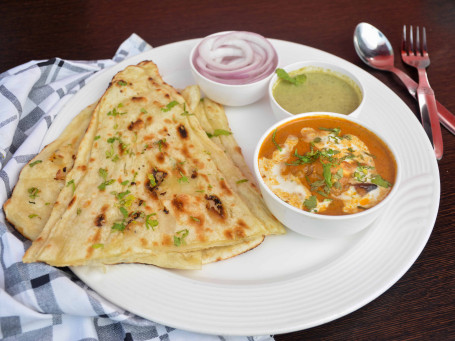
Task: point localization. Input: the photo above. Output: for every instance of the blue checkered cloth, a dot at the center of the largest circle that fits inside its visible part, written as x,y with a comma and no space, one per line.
37,301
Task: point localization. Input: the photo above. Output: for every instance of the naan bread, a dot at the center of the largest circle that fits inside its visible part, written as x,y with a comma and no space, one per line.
149,186
213,119
43,178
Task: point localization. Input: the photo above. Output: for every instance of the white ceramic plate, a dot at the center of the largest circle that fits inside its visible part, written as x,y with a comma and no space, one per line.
289,282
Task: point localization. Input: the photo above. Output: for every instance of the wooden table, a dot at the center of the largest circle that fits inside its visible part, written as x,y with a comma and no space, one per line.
421,305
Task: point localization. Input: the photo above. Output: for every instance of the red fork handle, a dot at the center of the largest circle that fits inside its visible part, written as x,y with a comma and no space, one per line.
445,116
429,113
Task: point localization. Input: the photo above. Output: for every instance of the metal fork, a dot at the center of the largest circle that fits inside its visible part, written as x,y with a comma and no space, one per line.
418,58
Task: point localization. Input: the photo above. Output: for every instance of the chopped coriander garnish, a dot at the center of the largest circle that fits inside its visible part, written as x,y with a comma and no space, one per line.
124,183
78,211
33,192
334,131
185,112
151,177
150,223
31,216
144,111
326,171
122,83
119,226
309,157
112,139
121,195
195,219
219,132
127,201
311,203
110,153
378,180
35,163
161,144
71,182
97,137
241,181
183,178
98,245
103,173
103,185
123,211
169,106
322,193
179,237
296,80
317,184
114,112
274,141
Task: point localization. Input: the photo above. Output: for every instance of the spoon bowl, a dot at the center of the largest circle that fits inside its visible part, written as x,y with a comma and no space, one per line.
373,47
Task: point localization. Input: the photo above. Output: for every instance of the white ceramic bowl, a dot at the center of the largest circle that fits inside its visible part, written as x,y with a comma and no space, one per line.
318,225
231,95
280,113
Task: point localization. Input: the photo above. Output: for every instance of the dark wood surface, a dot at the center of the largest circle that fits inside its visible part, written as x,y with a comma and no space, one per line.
421,305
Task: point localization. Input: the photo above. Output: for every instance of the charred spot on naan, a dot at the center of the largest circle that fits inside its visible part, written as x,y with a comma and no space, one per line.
194,174
136,125
160,157
215,206
182,131
139,99
166,240
100,220
61,174
238,232
93,240
225,187
73,200
178,203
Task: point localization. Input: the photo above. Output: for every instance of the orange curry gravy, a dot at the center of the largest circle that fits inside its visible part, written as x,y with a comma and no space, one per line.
340,175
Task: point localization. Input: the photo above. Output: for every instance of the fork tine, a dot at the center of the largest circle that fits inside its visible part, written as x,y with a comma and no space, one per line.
411,41
424,42
417,50
404,48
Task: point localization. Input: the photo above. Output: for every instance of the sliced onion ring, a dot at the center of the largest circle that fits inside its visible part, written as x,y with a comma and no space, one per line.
237,57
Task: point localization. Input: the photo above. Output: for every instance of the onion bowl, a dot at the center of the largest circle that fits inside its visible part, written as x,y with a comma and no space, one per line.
233,68
319,225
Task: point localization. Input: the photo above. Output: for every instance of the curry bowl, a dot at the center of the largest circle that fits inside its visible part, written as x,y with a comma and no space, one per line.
325,175
233,68
312,86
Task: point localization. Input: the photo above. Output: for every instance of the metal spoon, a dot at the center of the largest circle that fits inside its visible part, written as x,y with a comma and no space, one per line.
375,50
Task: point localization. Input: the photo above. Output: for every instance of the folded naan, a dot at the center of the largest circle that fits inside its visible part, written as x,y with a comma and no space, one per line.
42,179
148,185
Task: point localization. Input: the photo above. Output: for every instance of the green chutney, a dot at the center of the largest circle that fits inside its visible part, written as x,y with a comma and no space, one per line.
323,90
